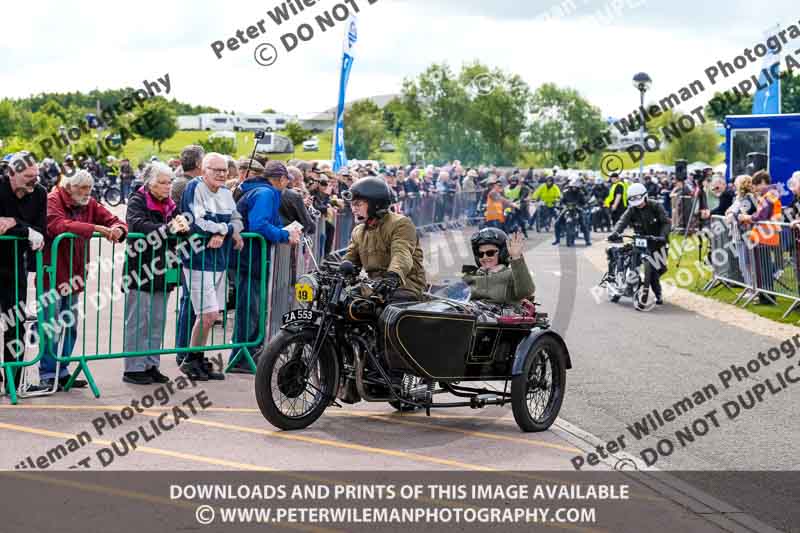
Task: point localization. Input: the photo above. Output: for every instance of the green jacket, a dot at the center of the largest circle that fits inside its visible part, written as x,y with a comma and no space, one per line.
390,245
509,285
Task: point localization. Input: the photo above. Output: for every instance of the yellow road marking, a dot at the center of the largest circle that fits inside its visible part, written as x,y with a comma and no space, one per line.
336,444
143,449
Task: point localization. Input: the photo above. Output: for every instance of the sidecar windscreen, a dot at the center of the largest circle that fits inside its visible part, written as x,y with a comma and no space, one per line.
455,290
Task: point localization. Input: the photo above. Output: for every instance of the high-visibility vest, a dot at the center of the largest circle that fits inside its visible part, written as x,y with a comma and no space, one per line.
494,210
769,234
513,194
610,198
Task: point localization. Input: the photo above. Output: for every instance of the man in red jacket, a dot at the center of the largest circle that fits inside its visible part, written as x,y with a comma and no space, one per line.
71,209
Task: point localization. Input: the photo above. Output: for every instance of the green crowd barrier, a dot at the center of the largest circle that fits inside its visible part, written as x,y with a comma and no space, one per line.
85,307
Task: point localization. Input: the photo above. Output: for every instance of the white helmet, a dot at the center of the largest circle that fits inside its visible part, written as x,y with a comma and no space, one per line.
637,194
574,181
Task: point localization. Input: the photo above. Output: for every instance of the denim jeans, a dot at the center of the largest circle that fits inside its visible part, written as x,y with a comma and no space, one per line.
61,322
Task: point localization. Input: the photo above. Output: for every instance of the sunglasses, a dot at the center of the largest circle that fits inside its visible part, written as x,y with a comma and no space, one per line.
487,253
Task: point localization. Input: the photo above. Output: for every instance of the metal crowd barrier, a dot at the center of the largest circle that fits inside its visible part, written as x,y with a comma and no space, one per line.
99,297
757,267
15,321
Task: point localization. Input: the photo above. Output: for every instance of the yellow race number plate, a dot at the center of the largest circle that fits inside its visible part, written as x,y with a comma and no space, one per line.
303,292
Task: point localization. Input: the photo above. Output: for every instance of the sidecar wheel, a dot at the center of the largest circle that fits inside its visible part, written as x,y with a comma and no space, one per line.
286,400
537,393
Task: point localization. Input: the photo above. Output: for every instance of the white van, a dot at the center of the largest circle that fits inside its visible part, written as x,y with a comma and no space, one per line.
216,122
252,123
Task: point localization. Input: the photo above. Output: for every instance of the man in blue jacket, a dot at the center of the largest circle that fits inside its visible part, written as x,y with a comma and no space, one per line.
259,205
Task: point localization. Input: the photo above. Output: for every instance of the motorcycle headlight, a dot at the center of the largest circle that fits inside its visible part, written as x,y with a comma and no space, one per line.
306,288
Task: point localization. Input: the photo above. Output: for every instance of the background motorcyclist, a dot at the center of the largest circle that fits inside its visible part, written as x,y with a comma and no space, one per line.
573,195
647,218
501,275
549,194
602,218
517,193
383,243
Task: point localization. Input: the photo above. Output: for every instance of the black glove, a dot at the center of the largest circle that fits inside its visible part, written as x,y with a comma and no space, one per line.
614,237
390,282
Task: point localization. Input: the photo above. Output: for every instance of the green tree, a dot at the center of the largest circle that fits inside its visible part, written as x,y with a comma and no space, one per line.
562,120
790,94
155,120
296,133
269,111
475,116
221,145
363,129
393,115
699,144
9,118
721,106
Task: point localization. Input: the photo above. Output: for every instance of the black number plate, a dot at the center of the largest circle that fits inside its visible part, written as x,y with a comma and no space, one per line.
301,315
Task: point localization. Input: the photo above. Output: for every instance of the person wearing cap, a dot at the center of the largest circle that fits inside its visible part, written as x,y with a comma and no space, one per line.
245,169
647,217
616,200
23,210
259,207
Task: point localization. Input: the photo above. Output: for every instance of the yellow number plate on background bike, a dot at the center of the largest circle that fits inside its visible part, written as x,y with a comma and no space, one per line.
303,292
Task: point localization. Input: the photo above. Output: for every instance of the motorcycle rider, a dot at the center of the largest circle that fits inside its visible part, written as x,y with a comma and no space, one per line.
573,195
647,217
549,194
501,275
517,193
383,243
602,220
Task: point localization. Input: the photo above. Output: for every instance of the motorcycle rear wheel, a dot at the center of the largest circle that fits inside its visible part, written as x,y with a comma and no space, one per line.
537,393
280,386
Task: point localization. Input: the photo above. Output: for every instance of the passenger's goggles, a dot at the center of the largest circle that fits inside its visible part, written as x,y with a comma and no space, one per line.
487,253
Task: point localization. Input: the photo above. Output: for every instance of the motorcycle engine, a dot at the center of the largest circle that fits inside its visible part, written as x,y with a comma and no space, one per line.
632,277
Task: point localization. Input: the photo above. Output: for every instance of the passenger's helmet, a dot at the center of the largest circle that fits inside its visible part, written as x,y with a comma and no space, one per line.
375,191
637,194
490,236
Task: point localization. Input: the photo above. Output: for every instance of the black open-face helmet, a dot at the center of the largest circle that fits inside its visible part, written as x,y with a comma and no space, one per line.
375,191
493,236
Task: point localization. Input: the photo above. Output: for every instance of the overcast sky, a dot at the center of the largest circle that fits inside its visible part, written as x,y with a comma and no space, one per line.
50,46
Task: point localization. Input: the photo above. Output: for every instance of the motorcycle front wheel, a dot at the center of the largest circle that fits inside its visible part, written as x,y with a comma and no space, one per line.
537,393
286,397
113,196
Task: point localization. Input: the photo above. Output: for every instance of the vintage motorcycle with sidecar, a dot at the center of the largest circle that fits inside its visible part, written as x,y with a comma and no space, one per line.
347,344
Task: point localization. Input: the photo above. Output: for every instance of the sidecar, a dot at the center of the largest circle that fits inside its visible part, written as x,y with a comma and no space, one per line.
450,342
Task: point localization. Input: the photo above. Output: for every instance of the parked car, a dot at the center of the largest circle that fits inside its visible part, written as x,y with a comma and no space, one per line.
311,145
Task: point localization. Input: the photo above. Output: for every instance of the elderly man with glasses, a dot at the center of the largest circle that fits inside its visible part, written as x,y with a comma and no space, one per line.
213,214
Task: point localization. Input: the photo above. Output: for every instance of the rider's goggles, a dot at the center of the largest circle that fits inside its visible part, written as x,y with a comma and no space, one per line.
487,253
